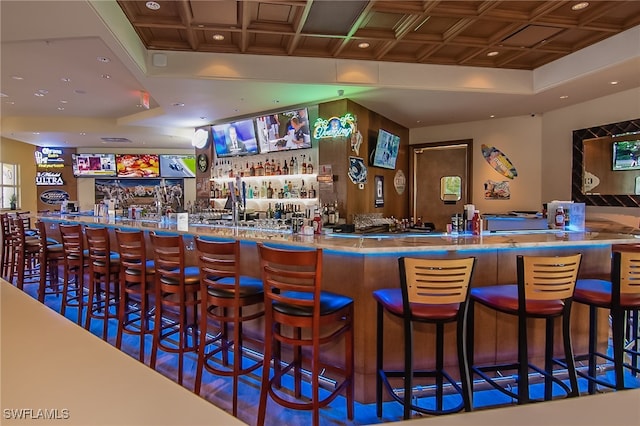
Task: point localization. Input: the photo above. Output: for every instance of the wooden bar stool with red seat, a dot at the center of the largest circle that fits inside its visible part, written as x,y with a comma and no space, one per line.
432,291
177,301
137,275
299,314
544,289
76,263
51,257
27,253
104,284
621,296
228,299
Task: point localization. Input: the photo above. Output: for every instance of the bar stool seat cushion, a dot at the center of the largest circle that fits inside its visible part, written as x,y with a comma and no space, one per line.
52,241
391,300
504,298
329,303
191,277
249,286
598,292
55,247
150,268
114,259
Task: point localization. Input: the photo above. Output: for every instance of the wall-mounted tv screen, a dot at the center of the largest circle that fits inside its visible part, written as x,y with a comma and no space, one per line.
92,165
177,165
386,152
284,130
138,165
626,155
233,139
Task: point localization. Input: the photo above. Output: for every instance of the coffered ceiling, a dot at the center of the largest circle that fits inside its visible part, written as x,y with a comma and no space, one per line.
73,73
498,34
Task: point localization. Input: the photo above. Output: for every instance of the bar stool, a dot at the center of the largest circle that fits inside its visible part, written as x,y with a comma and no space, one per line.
544,290
293,300
8,259
621,296
104,271
432,291
137,274
76,262
51,256
27,253
225,296
176,293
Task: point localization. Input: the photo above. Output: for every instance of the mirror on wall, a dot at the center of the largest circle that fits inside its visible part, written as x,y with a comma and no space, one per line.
606,165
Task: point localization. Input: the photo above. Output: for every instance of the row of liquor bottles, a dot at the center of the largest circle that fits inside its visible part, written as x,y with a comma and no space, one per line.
269,190
232,168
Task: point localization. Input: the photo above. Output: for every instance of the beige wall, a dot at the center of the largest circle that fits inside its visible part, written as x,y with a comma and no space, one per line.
14,152
518,138
540,148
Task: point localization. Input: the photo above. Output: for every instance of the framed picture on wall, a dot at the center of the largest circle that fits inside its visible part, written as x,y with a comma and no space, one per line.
379,196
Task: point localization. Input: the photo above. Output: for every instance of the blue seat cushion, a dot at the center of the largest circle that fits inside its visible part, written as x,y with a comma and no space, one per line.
249,286
329,303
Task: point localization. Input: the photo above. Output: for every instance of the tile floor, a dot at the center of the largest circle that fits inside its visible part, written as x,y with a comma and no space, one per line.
217,389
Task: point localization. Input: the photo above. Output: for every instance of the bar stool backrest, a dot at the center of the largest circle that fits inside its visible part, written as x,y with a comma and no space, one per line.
132,249
72,241
99,246
626,271
288,275
548,277
168,255
219,259
436,281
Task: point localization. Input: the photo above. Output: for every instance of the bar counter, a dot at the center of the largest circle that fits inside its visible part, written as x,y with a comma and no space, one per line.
355,265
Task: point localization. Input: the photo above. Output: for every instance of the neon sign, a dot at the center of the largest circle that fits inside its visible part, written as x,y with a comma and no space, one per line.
334,127
49,178
47,156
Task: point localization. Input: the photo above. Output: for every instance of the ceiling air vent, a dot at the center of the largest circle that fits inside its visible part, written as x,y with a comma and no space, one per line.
530,35
115,140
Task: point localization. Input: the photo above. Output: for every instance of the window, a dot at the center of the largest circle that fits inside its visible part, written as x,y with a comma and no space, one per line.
10,185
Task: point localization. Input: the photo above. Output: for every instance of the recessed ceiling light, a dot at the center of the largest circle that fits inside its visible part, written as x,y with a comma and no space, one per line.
38,94
363,45
613,82
103,59
36,133
10,103
106,76
43,91
3,95
60,108
580,6
178,104
218,37
493,53
62,101
83,134
79,92
492,116
66,79
276,101
17,77
152,5
564,96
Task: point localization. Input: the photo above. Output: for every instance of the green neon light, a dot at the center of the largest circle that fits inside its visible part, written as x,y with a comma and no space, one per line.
334,127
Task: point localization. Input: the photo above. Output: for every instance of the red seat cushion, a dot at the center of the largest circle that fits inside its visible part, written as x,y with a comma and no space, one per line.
504,298
598,293
391,300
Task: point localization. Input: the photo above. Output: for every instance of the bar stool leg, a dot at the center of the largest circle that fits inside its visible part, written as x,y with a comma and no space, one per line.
568,354
469,350
379,354
463,362
617,326
408,366
548,357
523,361
593,338
439,365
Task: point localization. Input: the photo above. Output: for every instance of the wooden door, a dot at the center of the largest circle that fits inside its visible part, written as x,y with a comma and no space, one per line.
430,163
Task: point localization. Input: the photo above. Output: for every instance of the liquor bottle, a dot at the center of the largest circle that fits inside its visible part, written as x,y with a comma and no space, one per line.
281,193
278,170
296,169
312,192
285,168
267,168
269,212
560,216
332,214
269,191
250,192
325,214
309,166
317,222
259,169
303,191
285,189
303,170
252,170
336,213
291,169
256,192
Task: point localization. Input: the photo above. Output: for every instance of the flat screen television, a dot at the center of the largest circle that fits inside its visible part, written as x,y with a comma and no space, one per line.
626,155
177,165
234,139
386,151
284,131
93,165
138,165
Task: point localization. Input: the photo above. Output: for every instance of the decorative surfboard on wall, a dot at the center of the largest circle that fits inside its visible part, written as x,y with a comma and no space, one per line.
499,161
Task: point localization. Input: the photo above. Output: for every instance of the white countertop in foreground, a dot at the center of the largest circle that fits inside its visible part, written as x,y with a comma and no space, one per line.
49,363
